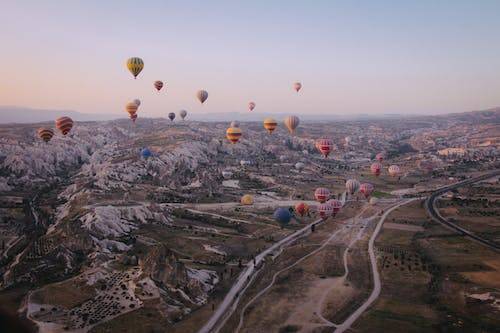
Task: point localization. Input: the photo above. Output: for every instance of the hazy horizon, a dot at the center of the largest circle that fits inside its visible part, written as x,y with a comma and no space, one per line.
365,58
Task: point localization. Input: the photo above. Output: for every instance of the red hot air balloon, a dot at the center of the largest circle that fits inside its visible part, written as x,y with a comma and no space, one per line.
325,210
297,86
251,106
322,194
366,189
325,146
45,134
301,208
158,85
64,124
336,205
380,157
375,168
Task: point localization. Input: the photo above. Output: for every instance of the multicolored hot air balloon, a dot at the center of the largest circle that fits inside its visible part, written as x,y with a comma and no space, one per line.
325,146
297,86
366,189
158,85
325,210
171,116
291,122
235,123
352,186
247,200
393,170
131,108
380,157
322,194
45,134
270,124
336,205
146,153
135,66
64,124
202,96
137,102
282,216
376,168
183,114
251,106
301,208
233,134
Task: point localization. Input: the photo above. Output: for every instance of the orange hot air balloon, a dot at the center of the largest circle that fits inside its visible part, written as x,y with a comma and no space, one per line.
64,124
131,108
322,194
158,85
393,170
233,134
251,106
202,96
247,200
45,134
376,168
291,122
301,208
297,86
325,146
270,124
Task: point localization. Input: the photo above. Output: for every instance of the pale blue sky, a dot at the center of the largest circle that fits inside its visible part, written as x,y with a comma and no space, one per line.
351,56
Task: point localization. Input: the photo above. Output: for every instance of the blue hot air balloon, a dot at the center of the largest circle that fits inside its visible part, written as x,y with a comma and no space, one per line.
145,153
282,215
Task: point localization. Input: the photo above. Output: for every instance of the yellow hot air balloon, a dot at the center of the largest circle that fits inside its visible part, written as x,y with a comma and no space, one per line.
270,124
135,66
233,134
291,122
247,200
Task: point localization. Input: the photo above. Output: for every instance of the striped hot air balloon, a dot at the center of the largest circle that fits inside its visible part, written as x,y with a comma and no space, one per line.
376,168
158,85
297,86
131,108
366,189
270,124
325,146
45,134
301,208
336,205
183,114
135,66
325,210
202,96
251,106
322,194
247,200
291,122
171,116
64,124
393,170
233,134
352,186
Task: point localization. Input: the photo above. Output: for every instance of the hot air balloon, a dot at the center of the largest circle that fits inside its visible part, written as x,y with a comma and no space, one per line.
352,186
297,86
45,134
233,134
270,124
325,210
146,153
133,117
131,108
282,216
322,194
251,106
291,122
325,146
135,66
375,168
393,170
202,96
235,123
247,200
380,157
366,189
301,208
64,124
336,205
171,116
183,114
299,166
158,85
137,102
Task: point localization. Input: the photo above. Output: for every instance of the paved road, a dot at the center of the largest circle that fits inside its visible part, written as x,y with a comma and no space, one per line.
430,205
